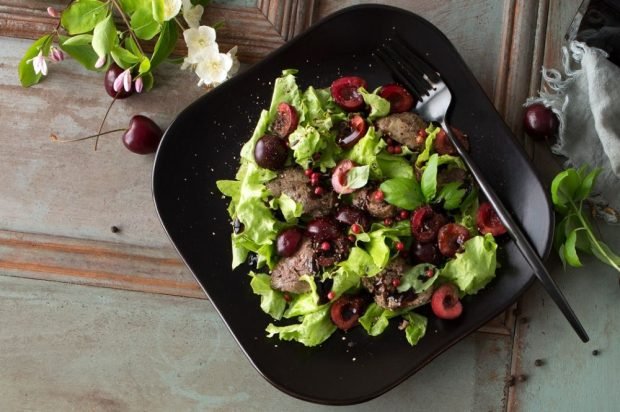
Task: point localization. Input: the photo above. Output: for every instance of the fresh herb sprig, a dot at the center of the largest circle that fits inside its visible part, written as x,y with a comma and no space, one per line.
569,189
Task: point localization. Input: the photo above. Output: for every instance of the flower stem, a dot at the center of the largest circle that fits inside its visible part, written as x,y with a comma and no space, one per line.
131,33
55,138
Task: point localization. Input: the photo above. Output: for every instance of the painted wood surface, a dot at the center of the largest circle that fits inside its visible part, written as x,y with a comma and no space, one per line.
77,348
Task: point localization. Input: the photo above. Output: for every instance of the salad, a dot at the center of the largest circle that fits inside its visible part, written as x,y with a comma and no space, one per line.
356,211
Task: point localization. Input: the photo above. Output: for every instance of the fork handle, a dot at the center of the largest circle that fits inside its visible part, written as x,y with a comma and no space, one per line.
519,238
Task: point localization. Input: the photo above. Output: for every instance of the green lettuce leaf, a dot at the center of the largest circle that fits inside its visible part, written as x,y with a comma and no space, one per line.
360,263
319,110
314,329
379,107
452,195
376,319
473,269
271,301
469,210
366,150
247,151
291,210
423,157
285,90
344,280
304,303
377,247
416,329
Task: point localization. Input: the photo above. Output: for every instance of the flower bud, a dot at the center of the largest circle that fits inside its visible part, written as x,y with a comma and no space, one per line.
53,12
118,82
139,84
56,55
127,80
100,62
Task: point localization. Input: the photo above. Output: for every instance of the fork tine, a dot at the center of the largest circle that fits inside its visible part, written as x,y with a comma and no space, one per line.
418,62
411,83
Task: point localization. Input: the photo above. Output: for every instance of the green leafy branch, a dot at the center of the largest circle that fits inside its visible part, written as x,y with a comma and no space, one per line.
574,232
87,32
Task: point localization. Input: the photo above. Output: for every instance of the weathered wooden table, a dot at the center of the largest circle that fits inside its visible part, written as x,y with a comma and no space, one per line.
96,320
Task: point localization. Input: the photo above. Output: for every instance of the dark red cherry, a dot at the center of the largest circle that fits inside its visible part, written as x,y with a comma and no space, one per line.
488,221
108,82
445,302
142,136
270,152
288,241
346,311
451,238
400,99
323,228
352,132
286,120
425,253
350,215
540,121
345,94
425,224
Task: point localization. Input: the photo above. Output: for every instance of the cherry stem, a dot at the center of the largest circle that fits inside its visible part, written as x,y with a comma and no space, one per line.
104,118
56,139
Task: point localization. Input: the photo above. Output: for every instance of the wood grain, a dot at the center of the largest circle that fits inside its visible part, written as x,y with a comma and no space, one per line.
255,30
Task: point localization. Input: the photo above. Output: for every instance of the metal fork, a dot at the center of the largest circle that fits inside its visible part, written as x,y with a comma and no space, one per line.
434,101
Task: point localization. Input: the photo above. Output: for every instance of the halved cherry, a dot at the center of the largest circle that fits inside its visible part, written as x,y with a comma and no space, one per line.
286,120
352,132
340,175
345,94
350,215
451,238
488,221
445,302
444,146
346,311
425,224
400,99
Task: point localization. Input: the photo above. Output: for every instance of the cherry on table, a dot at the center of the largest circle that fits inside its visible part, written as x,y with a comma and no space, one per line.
142,136
108,82
540,121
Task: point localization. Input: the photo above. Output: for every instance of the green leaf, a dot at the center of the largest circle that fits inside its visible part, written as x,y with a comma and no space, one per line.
148,81
402,192
165,43
473,269
452,194
314,329
417,278
83,15
605,254
131,45
143,24
416,329
379,107
104,36
271,301
145,66
79,40
123,57
570,252
376,319
428,182
360,263
304,303
290,209
394,166
366,150
423,157
585,187
25,69
563,188
130,6
81,50
159,10
358,177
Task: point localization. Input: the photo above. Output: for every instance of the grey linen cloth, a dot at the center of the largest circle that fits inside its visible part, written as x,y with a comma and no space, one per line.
587,103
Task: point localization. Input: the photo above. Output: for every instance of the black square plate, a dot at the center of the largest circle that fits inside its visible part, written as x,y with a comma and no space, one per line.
202,145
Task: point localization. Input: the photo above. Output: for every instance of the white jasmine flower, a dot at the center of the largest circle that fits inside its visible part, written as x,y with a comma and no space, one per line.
192,14
213,69
172,8
39,64
232,53
199,41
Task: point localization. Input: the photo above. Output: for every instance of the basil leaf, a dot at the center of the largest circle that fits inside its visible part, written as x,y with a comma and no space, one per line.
394,166
358,177
25,69
428,182
402,192
83,15
452,194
